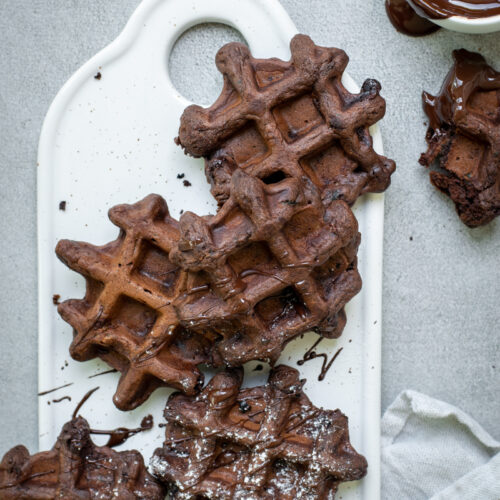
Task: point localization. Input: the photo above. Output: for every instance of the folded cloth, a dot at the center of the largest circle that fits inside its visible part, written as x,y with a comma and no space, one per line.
432,450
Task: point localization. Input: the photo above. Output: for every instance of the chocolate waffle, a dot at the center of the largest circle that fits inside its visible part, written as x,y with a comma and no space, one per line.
222,290
279,264
127,317
277,119
76,469
266,442
464,136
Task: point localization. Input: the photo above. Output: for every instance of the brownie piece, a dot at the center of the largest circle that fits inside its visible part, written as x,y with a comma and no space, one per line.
464,138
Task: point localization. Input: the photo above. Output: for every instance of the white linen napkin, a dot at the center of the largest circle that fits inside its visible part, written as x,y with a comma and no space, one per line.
432,450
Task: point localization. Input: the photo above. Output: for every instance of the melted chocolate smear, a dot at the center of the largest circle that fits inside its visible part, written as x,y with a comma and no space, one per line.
120,435
27,478
82,402
312,354
61,399
55,389
469,74
442,9
102,373
196,289
406,20
251,272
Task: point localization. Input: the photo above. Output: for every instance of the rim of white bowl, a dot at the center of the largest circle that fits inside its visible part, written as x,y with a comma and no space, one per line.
488,24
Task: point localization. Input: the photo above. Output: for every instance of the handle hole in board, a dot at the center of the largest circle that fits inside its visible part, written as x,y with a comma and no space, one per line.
191,63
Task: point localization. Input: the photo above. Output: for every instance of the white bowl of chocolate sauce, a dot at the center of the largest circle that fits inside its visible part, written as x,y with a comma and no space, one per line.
465,16
421,17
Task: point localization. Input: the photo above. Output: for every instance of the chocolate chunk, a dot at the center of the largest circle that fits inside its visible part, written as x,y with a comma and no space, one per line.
244,407
464,138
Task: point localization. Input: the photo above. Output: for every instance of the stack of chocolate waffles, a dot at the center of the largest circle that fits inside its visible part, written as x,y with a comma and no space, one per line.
287,151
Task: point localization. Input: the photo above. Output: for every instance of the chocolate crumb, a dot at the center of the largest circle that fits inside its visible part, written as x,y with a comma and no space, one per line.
55,299
62,205
462,130
258,368
186,183
180,176
98,75
411,238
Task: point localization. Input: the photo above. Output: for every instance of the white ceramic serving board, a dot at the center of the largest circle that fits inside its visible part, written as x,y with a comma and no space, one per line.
110,141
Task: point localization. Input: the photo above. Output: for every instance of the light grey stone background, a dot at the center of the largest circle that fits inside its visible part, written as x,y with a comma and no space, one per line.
441,288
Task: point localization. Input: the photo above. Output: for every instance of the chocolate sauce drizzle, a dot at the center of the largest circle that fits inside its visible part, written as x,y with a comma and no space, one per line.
27,478
82,402
240,284
62,399
469,74
121,434
312,354
103,373
55,389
